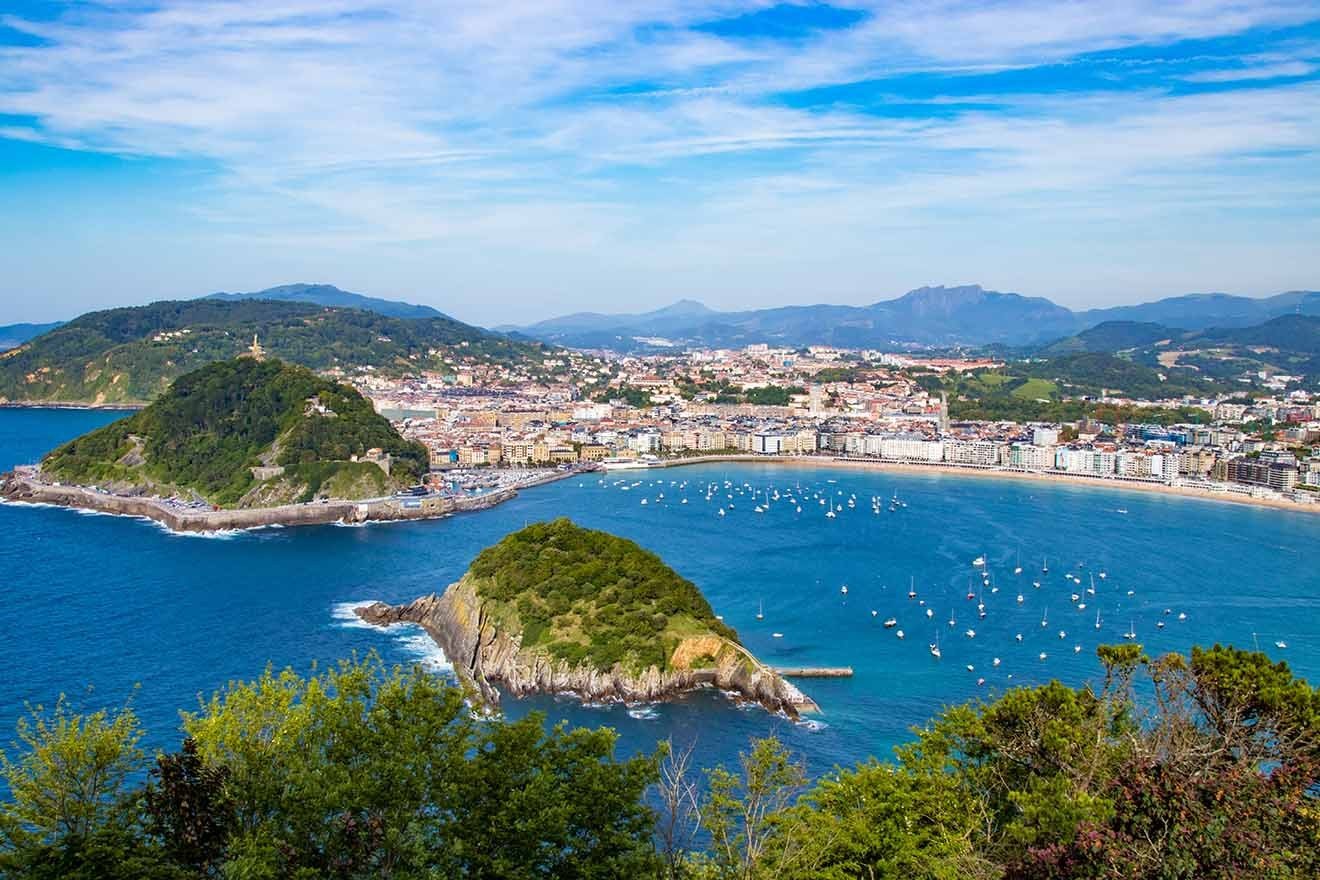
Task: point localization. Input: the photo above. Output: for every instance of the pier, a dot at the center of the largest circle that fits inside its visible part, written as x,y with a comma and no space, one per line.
815,671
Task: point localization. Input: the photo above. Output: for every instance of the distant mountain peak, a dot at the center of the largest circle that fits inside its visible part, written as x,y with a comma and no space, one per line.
683,307
330,295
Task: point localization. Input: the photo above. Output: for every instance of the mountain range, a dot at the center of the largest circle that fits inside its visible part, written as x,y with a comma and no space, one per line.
329,295
933,316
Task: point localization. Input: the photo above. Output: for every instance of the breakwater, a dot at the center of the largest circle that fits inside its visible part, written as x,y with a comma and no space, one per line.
25,485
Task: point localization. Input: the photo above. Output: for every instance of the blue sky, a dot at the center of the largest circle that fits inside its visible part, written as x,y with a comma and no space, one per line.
510,161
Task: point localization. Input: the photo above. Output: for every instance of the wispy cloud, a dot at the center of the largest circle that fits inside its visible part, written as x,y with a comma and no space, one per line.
558,127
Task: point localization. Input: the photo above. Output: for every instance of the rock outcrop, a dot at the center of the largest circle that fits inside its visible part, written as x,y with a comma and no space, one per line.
485,654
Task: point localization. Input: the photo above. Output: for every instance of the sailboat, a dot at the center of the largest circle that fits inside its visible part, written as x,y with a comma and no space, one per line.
912,588
1097,618
1045,566
1132,631
1018,568
1045,618
760,610
935,648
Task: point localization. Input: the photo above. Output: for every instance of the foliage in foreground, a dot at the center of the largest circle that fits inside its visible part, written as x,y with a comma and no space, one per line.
361,772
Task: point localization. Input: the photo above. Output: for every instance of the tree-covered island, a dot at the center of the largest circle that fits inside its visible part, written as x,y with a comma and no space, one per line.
558,608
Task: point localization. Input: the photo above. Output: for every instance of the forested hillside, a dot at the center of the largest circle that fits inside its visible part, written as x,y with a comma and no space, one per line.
212,426
130,355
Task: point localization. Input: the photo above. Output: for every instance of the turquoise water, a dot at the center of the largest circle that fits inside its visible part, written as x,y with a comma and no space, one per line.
96,605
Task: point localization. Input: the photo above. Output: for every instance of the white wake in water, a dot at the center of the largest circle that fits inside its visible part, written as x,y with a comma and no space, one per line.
414,640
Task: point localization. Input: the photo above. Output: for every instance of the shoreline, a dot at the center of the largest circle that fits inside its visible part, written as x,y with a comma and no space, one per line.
61,404
1114,483
22,486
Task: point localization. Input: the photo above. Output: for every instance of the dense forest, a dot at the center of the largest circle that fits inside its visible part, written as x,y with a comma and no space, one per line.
211,426
1170,768
132,354
590,597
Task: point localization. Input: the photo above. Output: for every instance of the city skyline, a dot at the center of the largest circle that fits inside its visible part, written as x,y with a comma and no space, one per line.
507,164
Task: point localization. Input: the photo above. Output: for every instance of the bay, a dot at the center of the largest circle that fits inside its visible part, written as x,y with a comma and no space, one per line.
108,609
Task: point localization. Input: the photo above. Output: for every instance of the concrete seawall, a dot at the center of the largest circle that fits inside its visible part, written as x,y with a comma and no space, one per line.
20,488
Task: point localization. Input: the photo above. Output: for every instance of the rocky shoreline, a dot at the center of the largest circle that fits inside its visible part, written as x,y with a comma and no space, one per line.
484,655
25,486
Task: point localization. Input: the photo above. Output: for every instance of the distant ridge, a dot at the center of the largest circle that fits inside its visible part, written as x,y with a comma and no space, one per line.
967,315
329,295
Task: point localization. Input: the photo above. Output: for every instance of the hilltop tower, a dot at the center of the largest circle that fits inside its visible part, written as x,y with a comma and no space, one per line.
255,351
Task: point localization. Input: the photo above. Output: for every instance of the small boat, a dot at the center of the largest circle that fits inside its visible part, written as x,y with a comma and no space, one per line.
758,509
844,589
1018,637
721,511
890,623
643,501
1045,618
1097,619
1043,655
952,620
930,612
1159,624
971,633
1103,575
935,647
1077,649
1035,584
875,613
912,589
971,668
1021,599
1132,631
1182,615
684,501
829,514
1281,644
1018,568
995,662
776,635
979,562
1045,566
899,634
1062,634
760,610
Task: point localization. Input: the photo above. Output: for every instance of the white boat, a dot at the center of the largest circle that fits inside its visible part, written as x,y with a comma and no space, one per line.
1062,634
721,511
1043,655
930,613
1045,618
760,610
1077,649
971,668
875,613
971,633
776,635
829,514
844,589
1021,598
1018,637
643,501
979,562
995,662
1281,644
1182,615
1045,566
1132,631
912,588
890,623
899,634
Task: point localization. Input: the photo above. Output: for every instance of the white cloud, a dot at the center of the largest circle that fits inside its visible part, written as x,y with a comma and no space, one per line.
337,125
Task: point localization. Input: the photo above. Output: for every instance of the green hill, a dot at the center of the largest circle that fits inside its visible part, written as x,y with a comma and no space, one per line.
130,355
587,596
207,432
1112,336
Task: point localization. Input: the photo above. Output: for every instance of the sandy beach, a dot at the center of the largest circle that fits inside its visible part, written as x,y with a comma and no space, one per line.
1109,483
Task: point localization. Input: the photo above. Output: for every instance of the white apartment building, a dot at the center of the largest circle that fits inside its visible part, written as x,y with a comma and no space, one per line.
978,452
1094,462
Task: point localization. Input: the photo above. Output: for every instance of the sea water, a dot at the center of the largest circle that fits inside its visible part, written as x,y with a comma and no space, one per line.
110,609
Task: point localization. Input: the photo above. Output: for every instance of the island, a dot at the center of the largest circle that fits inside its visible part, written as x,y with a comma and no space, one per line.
243,443
559,609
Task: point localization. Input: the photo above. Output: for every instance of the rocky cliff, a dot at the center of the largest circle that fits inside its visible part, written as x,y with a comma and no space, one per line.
485,654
